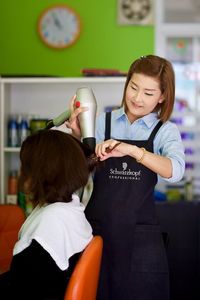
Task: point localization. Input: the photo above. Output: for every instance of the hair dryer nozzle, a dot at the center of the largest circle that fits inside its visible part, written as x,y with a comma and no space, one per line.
90,142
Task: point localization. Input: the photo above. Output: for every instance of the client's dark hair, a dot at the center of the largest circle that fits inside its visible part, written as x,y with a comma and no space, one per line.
53,166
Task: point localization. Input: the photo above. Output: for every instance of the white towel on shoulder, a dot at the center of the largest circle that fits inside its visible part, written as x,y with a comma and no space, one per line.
60,228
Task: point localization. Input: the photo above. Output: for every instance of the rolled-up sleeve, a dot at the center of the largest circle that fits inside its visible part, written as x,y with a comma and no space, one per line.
168,143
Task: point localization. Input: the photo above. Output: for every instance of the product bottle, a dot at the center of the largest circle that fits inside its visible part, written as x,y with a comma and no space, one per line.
23,129
189,189
29,205
13,132
22,200
13,183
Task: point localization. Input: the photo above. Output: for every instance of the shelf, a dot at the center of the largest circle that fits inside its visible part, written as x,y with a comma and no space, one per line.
45,97
189,128
180,29
191,143
194,113
12,149
192,159
180,44
42,80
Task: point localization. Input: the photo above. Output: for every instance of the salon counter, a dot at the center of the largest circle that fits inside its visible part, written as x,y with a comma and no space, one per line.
181,221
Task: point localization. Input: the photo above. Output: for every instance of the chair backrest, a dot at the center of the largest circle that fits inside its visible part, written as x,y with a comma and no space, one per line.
11,219
83,282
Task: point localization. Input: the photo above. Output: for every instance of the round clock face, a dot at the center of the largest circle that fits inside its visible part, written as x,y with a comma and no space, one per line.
59,26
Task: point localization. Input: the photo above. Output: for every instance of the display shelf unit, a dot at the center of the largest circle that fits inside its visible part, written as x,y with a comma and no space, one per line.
177,38
45,98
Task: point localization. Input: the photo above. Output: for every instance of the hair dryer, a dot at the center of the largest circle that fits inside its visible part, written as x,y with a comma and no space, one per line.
84,98
87,119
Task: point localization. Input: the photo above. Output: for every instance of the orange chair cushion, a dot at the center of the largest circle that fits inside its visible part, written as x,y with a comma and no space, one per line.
11,219
83,282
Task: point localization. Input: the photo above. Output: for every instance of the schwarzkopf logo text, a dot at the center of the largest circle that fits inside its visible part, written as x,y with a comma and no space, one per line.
124,173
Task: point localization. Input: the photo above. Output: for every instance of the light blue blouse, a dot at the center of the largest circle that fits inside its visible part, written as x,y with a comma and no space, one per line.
167,141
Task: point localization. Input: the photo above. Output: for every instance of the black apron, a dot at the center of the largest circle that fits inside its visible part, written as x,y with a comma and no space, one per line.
122,210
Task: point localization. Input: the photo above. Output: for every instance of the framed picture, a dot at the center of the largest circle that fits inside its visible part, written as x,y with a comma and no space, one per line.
135,12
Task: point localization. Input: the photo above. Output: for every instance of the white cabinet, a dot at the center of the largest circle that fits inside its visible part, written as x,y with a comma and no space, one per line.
45,98
177,38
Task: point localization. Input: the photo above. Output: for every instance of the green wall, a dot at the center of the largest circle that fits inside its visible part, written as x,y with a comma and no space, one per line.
102,44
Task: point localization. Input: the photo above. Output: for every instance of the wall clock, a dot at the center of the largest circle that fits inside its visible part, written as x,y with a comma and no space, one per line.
59,26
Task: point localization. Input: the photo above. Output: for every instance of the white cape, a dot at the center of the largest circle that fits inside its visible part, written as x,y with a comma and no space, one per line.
60,228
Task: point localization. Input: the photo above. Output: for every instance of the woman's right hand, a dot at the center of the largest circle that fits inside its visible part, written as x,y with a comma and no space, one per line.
73,122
